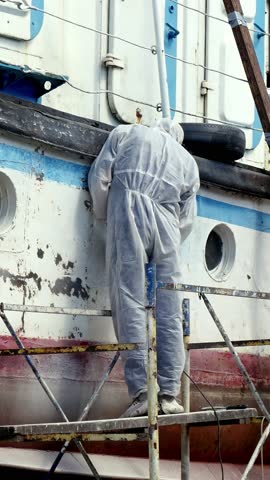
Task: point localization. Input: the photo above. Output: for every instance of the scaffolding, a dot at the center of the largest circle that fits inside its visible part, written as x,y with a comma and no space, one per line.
140,428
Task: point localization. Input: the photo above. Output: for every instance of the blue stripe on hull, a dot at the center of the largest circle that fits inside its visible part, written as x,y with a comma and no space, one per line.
228,213
48,168
74,174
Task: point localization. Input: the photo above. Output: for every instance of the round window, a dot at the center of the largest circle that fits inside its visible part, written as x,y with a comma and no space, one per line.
220,252
7,203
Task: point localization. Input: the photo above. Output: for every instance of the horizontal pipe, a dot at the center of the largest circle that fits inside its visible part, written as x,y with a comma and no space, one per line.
160,285
57,310
213,290
111,347
236,343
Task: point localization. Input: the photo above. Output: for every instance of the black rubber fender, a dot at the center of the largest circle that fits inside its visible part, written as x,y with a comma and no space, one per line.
222,143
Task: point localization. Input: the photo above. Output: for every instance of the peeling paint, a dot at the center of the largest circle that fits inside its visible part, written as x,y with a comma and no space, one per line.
58,259
40,176
40,253
68,265
69,287
20,281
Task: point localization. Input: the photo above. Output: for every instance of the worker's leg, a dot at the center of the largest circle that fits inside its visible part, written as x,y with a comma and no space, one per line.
127,289
170,346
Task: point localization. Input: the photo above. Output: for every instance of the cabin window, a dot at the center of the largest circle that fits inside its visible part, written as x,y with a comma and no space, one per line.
7,203
220,252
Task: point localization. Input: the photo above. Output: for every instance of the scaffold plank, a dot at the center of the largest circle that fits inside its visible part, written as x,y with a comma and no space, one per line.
111,347
121,424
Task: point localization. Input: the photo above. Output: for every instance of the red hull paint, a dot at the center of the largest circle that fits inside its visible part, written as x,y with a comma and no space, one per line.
214,371
208,367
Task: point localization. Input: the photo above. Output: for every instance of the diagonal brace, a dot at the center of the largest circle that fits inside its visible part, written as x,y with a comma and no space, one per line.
85,412
238,360
46,389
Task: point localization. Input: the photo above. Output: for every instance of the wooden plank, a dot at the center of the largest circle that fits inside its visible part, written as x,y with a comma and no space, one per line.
250,63
125,423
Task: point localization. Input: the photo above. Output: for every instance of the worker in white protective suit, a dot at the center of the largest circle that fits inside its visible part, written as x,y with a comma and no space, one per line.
144,184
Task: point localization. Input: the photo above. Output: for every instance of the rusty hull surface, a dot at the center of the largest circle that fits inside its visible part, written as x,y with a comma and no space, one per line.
215,373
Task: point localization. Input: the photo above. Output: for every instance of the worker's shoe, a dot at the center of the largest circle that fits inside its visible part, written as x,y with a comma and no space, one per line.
168,405
138,407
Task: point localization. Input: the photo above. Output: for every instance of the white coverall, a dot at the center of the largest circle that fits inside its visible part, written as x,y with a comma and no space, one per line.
144,183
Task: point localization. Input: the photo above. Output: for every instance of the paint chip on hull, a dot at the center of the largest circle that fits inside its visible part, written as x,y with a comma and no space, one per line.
40,253
20,280
69,287
58,259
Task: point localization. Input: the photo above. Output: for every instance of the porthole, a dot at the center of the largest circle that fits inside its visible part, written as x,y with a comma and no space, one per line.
7,203
220,252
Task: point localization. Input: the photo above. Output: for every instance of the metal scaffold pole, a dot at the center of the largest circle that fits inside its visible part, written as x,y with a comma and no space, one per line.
185,387
153,440
163,81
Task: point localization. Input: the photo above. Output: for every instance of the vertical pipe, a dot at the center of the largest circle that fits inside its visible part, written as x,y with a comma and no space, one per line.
153,440
163,81
185,448
206,58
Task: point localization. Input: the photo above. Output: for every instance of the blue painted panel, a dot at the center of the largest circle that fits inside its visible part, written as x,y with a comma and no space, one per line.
259,44
186,317
22,82
150,270
45,167
234,214
75,175
36,18
171,17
